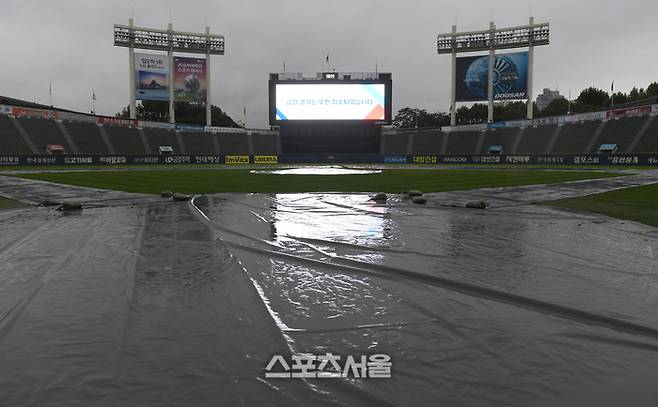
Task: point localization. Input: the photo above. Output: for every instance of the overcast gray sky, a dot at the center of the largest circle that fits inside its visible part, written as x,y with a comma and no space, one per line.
69,43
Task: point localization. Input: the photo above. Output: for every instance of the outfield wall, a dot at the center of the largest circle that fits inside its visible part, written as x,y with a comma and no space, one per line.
121,159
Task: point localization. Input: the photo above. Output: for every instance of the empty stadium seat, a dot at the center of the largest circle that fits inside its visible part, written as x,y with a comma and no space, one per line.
44,132
535,139
649,141
505,137
233,143
427,142
11,141
87,137
462,142
161,137
396,143
264,144
622,131
198,143
125,140
575,138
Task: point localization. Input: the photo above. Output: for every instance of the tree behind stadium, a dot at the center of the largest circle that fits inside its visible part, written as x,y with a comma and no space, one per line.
186,113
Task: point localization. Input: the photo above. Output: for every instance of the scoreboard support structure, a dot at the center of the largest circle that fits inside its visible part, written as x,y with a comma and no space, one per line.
170,41
526,36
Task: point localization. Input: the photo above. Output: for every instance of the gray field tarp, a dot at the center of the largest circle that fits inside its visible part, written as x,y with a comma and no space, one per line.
139,300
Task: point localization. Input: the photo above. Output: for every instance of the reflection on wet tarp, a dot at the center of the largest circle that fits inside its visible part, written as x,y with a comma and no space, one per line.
319,170
512,309
136,301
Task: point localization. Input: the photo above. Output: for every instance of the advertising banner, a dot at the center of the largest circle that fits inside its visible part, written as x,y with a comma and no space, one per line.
26,112
5,109
510,79
156,125
190,79
119,159
117,121
151,76
266,159
329,101
654,108
631,111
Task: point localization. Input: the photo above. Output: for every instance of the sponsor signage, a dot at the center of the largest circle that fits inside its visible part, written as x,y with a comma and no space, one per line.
190,83
510,77
266,159
236,159
631,111
424,159
214,129
117,121
395,159
156,125
5,109
654,108
189,127
119,159
151,76
26,112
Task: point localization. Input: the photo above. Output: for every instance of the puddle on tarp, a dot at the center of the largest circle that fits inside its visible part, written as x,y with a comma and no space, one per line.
319,170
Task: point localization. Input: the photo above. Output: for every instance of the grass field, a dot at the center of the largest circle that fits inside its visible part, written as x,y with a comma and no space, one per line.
240,180
6,203
639,204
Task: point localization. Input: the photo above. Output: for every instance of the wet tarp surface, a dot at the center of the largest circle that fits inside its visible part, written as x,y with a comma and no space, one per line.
142,301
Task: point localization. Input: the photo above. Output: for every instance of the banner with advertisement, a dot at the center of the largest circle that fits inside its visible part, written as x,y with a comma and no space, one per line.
151,77
117,121
654,108
5,109
39,113
510,79
190,83
628,112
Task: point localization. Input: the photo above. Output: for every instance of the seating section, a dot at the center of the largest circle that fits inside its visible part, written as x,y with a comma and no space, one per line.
11,141
264,144
500,137
43,132
462,142
233,143
621,132
162,137
649,141
87,137
198,143
396,143
535,139
125,140
574,138
427,142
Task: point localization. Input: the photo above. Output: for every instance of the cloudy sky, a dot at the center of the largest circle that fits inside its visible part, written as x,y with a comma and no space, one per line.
69,43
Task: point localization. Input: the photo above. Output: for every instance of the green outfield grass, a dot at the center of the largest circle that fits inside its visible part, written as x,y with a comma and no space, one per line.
6,203
240,180
639,204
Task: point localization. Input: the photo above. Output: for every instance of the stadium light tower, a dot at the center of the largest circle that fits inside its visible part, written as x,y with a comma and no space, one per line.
171,41
527,36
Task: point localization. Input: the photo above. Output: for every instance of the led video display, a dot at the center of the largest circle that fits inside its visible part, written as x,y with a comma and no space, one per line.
331,101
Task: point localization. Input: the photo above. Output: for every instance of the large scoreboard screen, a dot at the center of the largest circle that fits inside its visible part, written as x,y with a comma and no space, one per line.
330,101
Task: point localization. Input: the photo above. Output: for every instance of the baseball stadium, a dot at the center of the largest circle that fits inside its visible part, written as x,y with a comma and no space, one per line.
334,256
